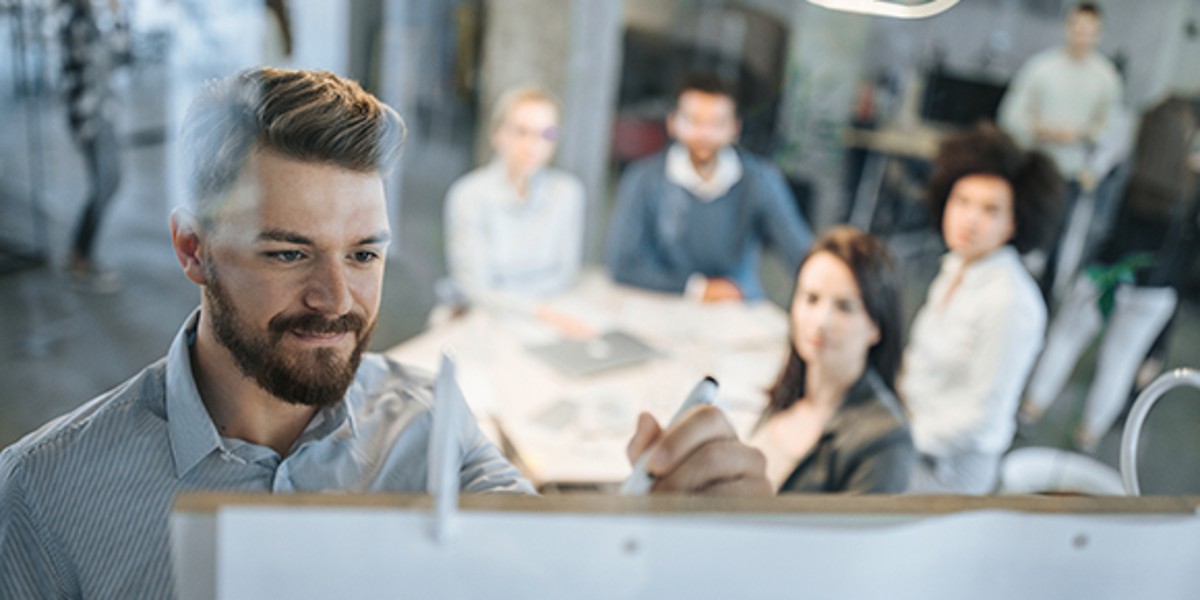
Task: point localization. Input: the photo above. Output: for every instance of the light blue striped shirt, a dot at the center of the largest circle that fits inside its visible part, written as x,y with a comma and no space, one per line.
498,244
85,500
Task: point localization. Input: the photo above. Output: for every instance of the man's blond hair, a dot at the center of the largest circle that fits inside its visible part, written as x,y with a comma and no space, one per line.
516,96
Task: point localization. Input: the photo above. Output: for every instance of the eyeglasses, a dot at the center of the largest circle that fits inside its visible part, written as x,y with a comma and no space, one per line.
549,134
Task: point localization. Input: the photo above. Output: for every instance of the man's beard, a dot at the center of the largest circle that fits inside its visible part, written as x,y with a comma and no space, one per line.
320,381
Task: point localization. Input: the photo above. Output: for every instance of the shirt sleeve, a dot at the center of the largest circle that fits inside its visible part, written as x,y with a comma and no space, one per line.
466,248
783,227
1018,109
1006,343
1101,118
631,253
484,468
28,569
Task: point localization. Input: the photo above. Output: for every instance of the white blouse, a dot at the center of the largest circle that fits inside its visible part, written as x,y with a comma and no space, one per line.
968,359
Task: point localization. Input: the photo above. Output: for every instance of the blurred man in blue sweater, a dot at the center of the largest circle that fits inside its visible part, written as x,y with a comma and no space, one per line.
694,218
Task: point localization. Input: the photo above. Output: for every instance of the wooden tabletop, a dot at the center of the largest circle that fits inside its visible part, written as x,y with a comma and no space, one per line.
915,141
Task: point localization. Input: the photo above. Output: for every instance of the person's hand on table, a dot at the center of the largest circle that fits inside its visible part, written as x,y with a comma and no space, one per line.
1058,135
720,290
1087,180
566,324
701,454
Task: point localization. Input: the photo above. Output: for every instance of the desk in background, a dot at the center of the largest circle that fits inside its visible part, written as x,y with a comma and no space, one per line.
912,142
573,430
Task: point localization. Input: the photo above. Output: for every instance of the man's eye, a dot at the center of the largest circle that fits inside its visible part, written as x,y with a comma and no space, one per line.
286,256
365,256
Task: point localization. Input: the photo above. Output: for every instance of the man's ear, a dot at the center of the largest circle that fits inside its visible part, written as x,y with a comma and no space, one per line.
188,242
670,123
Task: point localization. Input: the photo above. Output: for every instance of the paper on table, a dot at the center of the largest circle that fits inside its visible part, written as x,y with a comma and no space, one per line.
581,437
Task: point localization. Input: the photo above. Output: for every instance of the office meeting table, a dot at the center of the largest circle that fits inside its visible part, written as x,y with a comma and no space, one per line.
569,431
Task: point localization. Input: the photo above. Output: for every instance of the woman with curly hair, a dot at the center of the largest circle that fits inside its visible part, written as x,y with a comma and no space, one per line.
976,337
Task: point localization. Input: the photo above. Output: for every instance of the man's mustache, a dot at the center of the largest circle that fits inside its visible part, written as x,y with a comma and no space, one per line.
315,324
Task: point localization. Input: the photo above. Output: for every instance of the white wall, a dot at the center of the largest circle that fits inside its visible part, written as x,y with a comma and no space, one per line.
1184,73
321,35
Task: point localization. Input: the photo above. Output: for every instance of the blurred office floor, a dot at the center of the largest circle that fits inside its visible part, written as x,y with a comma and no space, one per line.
60,346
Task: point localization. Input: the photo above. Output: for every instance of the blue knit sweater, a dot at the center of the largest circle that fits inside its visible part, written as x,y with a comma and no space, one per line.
660,233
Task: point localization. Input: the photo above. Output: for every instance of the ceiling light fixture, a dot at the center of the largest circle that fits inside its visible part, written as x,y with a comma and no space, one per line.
900,9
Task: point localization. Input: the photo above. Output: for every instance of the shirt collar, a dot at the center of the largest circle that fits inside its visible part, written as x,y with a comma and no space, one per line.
192,433
330,419
508,192
1005,254
682,172
1065,53
869,388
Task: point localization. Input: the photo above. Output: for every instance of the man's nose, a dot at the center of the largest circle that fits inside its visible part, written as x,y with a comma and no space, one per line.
328,290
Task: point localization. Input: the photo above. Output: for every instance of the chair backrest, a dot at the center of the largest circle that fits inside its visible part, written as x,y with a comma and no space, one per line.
1137,417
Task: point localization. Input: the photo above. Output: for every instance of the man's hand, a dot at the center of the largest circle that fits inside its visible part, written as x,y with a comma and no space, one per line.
719,290
700,454
1058,135
1087,180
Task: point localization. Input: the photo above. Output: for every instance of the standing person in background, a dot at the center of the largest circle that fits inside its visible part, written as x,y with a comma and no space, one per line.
1061,102
89,58
514,228
976,337
1129,298
693,218
833,423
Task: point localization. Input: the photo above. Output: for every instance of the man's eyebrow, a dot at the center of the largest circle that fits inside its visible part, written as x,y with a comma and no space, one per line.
283,235
291,237
380,237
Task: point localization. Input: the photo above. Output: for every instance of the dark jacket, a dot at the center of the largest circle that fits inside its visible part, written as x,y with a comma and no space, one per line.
865,448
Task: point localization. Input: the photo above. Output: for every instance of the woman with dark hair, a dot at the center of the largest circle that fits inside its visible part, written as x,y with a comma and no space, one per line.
833,423
974,341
